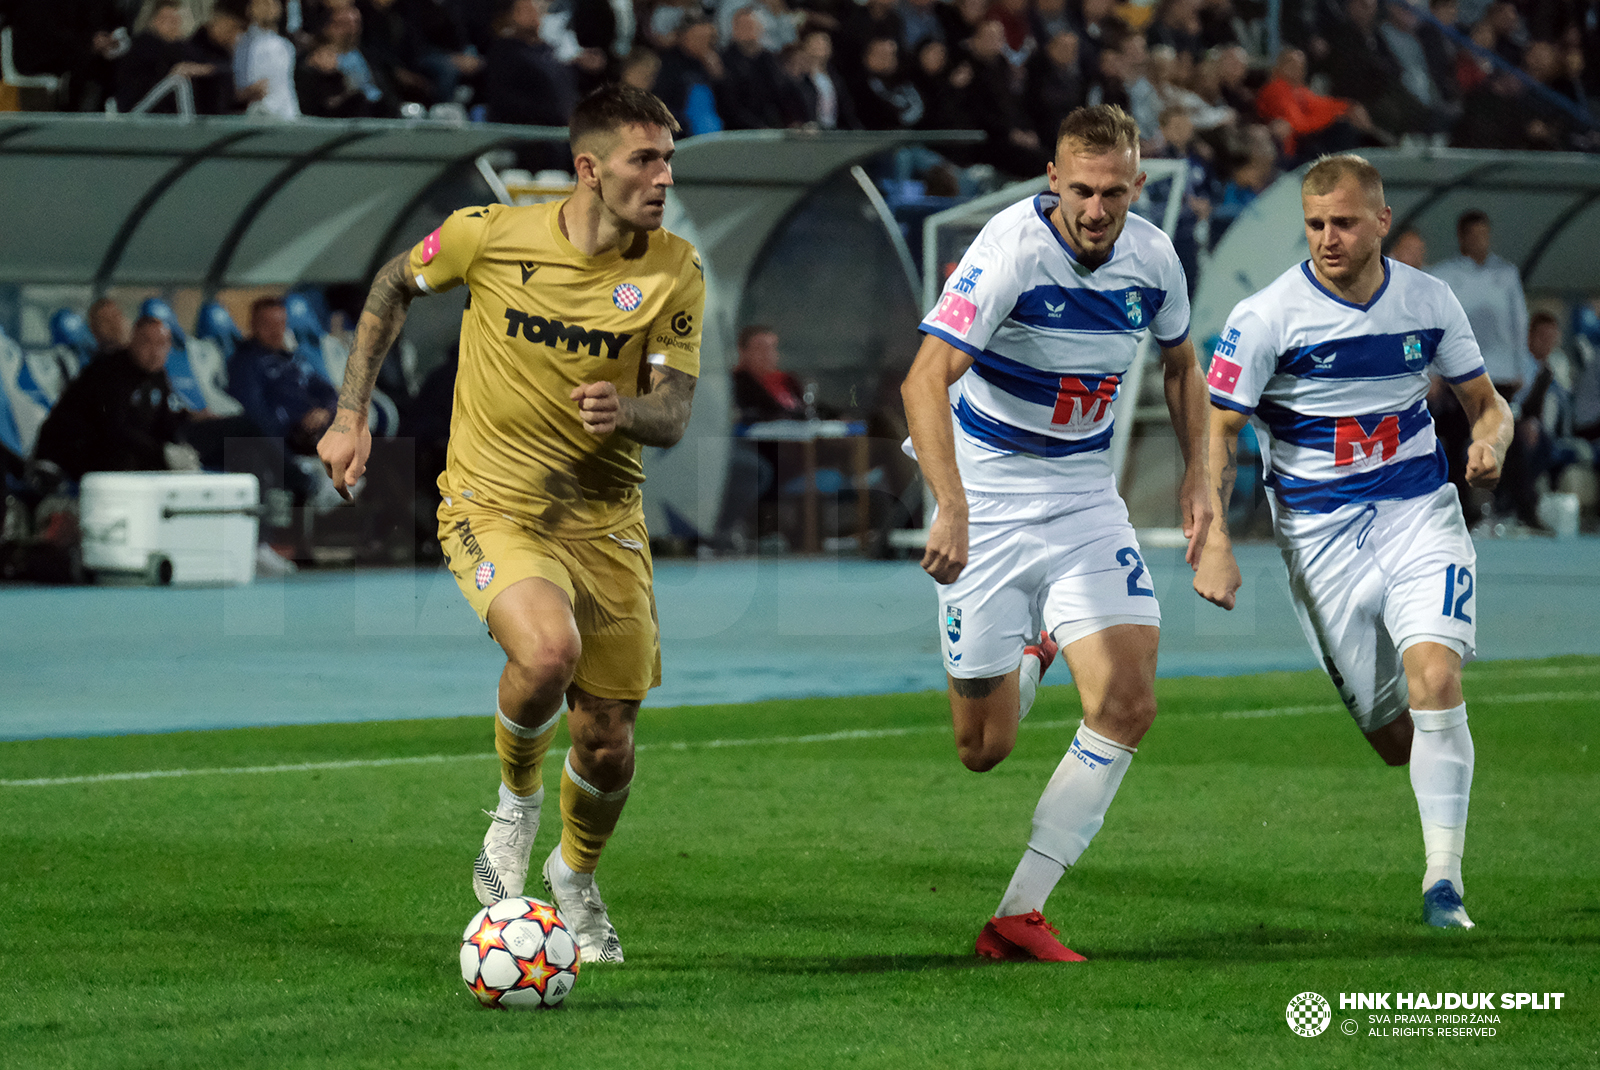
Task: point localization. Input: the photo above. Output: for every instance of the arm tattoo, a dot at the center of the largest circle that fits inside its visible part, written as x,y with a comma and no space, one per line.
1226,478
660,417
380,323
981,688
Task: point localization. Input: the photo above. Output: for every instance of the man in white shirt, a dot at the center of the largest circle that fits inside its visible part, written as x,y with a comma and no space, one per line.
1490,289
1010,408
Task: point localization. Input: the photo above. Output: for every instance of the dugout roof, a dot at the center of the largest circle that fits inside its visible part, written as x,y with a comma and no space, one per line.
1544,209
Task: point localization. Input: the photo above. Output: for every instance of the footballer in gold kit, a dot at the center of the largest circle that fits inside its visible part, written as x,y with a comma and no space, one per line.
579,346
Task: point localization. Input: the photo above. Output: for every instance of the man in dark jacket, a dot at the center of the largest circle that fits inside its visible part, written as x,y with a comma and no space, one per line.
119,414
747,95
283,397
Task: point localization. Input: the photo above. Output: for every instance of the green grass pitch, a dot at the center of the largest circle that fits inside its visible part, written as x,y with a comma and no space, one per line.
807,902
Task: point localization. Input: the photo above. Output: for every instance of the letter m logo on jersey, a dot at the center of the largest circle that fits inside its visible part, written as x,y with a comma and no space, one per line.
1354,445
1082,403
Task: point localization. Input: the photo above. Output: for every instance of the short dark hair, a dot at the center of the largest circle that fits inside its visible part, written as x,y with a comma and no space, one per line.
1469,217
146,321
1102,128
1543,315
265,302
615,105
754,330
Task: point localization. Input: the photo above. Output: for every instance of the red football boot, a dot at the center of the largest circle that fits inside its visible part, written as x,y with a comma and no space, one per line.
1045,651
1024,938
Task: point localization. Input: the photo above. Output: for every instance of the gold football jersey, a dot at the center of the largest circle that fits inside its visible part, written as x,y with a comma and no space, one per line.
541,319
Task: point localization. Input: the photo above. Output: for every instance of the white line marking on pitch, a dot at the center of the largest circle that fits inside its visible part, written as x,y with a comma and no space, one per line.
710,744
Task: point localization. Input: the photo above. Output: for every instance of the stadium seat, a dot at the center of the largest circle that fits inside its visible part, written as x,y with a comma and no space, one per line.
215,325
27,401
69,328
309,331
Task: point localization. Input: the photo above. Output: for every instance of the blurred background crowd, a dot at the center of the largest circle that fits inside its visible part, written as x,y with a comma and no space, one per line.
1242,88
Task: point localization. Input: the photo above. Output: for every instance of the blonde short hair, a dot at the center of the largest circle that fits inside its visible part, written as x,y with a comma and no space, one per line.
1326,174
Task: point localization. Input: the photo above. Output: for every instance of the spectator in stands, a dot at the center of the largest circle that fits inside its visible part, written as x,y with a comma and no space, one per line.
526,83
284,397
265,56
1176,24
1490,290
161,50
1100,30
1055,85
326,92
1361,67
119,414
884,98
78,40
1169,73
109,325
1409,248
1217,24
1050,18
214,44
1399,33
640,68
962,18
1232,66
1108,78
919,22
1178,142
1545,429
761,392
1307,123
816,96
690,71
865,23
1013,15
1441,51
1011,145
943,91
343,31
747,95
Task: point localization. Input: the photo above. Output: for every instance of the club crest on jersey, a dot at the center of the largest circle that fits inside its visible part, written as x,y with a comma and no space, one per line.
627,297
1135,305
952,623
1415,360
484,575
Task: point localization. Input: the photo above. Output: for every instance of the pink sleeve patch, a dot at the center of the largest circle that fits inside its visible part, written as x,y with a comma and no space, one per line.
1224,374
430,247
957,313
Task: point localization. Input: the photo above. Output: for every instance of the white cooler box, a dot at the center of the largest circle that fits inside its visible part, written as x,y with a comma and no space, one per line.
171,527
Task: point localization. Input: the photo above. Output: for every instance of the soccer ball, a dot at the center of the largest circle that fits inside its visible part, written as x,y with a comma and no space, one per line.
517,953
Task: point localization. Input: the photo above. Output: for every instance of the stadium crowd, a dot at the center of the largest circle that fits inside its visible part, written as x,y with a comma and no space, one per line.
1194,73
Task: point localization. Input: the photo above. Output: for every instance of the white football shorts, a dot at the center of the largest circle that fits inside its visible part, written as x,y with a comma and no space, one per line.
1369,580
1065,562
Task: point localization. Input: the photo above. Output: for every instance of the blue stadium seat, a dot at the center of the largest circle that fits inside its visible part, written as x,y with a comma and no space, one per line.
27,401
308,330
215,325
70,329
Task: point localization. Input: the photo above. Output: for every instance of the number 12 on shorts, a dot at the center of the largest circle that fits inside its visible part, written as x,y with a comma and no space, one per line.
1457,591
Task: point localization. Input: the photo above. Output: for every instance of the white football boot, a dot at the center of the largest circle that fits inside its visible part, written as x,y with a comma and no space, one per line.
501,868
578,901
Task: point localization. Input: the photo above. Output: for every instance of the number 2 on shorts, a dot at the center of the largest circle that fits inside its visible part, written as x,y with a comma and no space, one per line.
1129,556
1456,606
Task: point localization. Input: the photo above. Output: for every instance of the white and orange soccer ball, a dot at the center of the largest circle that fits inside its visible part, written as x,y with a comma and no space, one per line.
518,954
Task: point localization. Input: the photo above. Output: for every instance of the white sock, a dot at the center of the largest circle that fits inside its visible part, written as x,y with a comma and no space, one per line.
1028,683
509,799
1036,877
1070,812
1441,777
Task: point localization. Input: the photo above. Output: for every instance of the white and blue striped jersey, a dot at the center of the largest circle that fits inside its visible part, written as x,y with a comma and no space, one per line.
1338,390
1050,341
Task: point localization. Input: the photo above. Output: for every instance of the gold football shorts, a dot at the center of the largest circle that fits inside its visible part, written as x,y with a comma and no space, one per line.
607,579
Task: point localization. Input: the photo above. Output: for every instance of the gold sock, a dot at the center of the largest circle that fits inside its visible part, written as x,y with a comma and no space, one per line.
522,752
588,817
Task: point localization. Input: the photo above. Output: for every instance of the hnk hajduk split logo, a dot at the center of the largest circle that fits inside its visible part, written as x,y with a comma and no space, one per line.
1308,1014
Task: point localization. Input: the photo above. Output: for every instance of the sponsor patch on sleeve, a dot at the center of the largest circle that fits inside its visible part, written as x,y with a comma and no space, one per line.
1224,374
430,247
957,313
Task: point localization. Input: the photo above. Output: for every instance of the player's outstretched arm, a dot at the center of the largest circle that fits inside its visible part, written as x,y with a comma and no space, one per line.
1185,387
1217,578
926,393
347,443
1492,425
658,418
